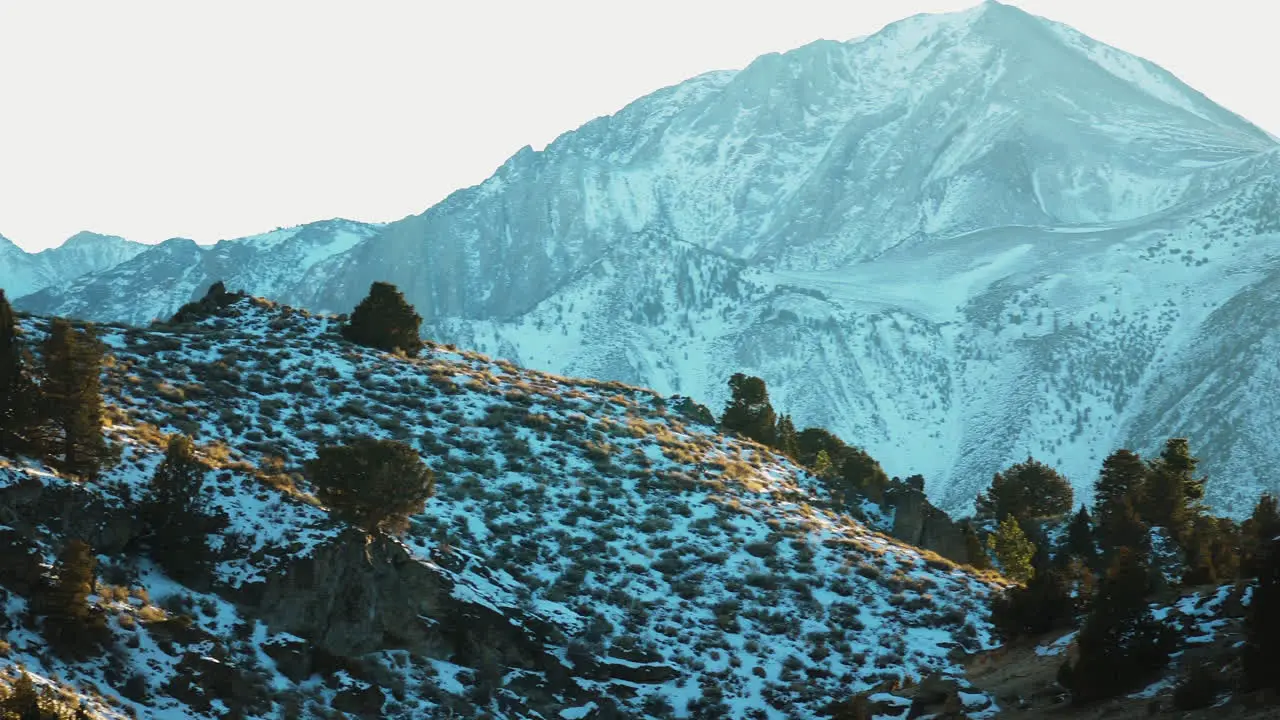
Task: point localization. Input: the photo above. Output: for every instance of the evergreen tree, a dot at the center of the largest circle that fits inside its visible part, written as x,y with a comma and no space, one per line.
1042,605
1118,493
386,321
1262,625
1079,543
861,474
785,439
373,484
71,624
1255,534
1121,482
749,412
23,701
73,400
975,553
1029,490
177,523
1173,493
1212,551
822,466
1121,645
1012,550
18,393
812,441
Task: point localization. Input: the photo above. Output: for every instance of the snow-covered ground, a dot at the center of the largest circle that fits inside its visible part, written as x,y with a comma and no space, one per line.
677,567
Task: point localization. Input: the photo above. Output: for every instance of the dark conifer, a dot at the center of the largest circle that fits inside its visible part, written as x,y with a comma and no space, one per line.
749,412
373,484
861,474
1256,533
1262,625
178,524
1173,493
23,701
71,623
18,393
386,321
1042,605
1029,491
975,552
1079,543
1211,550
812,441
785,438
73,400
1118,493
1121,645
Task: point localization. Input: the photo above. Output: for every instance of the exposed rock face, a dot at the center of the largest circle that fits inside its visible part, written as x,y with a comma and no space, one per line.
69,511
355,596
918,522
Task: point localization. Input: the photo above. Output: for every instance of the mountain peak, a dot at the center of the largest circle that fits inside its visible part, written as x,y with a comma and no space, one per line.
88,238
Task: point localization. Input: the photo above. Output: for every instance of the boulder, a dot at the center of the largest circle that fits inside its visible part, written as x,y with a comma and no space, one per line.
362,701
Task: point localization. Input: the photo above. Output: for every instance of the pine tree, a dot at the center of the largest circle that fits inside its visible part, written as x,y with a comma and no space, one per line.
785,439
18,393
813,440
975,552
386,321
1121,644
861,474
1028,490
177,523
1118,493
748,412
1042,605
1262,625
822,466
1173,493
23,701
373,484
1255,534
1012,550
70,622
1079,543
73,399
1212,550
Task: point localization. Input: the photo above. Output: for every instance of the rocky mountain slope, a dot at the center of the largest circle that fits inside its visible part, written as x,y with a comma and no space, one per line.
283,264
22,273
589,551
962,240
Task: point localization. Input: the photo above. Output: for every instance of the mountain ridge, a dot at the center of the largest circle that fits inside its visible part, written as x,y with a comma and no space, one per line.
958,240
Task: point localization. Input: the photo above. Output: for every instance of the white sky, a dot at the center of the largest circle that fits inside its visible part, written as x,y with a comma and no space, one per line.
221,119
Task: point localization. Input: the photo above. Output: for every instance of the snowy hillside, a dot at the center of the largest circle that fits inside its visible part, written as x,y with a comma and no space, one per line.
964,239
587,548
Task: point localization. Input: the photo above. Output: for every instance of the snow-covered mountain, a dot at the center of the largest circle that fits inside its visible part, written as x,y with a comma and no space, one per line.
22,272
283,264
965,239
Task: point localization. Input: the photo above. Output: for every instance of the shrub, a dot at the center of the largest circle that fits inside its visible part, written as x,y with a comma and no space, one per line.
386,321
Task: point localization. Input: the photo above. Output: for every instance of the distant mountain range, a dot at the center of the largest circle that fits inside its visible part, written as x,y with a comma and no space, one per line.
965,239
22,273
